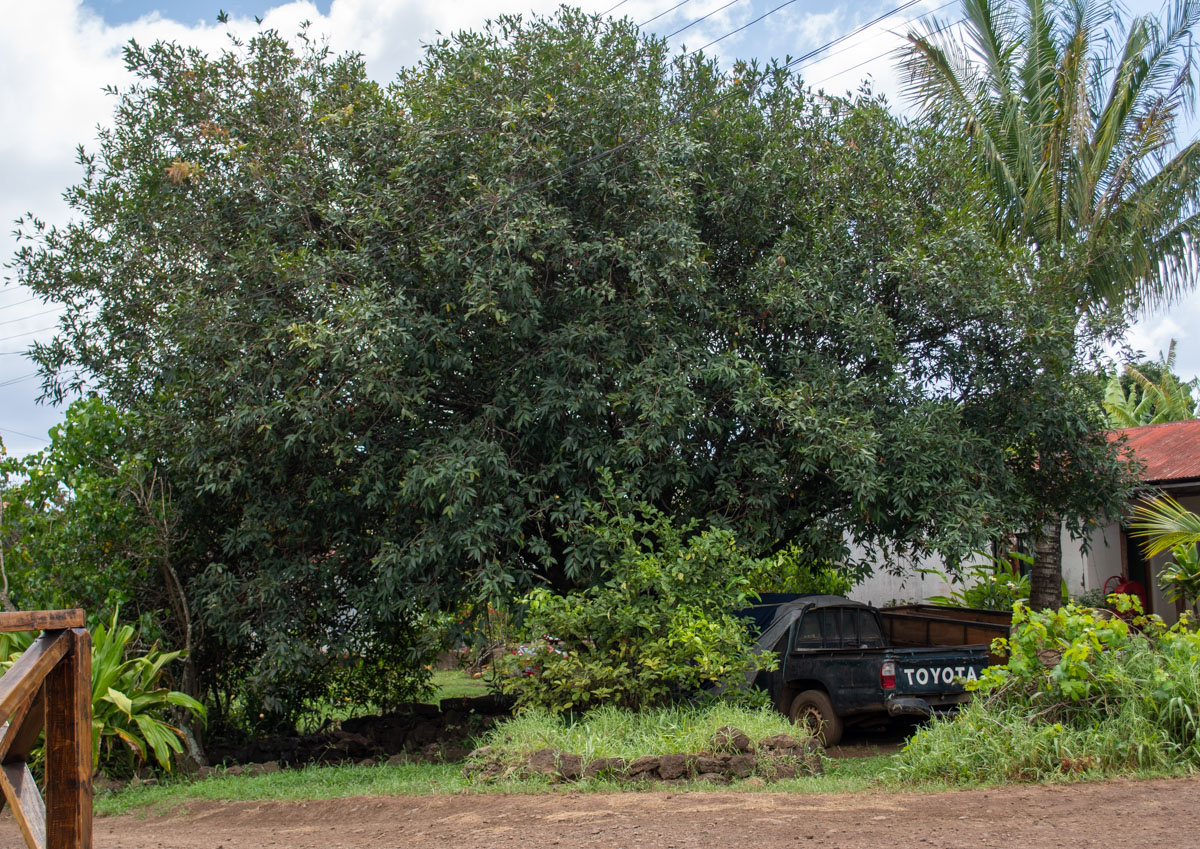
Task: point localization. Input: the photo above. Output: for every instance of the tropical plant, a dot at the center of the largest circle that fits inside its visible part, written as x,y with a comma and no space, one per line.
1071,113
996,583
130,706
1165,524
1150,393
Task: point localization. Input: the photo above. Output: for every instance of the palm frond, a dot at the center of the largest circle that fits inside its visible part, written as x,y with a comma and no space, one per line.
1164,523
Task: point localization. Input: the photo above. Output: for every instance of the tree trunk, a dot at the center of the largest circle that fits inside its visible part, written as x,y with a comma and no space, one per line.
1045,584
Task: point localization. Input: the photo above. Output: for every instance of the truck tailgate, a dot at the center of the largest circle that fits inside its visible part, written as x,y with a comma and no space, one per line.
923,672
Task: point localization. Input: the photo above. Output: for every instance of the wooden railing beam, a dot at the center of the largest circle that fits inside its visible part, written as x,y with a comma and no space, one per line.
40,620
23,729
27,807
26,675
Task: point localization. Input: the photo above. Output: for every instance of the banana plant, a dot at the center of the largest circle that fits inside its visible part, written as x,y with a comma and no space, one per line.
129,705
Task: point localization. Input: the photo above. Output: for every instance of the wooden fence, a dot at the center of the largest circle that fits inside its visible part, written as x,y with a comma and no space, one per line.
49,687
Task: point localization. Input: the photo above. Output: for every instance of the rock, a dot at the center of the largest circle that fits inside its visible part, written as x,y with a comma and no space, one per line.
712,778
646,765
451,752
780,743
205,772
778,770
740,766
263,768
672,766
104,784
707,764
543,762
570,767
731,739
605,768
234,770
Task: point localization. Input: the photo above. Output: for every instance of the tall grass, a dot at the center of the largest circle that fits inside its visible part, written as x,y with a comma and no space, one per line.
610,732
1141,712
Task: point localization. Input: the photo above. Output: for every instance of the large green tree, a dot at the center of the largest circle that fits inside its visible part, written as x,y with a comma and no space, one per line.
388,339
1070,112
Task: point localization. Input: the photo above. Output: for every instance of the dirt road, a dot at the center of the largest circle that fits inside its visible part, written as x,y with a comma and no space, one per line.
1109,814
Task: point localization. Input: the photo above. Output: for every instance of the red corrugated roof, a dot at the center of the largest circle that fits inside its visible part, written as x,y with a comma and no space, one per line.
1169,452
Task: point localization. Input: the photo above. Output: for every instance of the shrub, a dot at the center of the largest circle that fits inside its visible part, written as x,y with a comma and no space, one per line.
658,625
129,703
1082,691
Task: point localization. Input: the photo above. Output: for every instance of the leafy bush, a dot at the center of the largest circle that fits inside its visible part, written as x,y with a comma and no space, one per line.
992,585
1083,691
795,570
658,625
129,703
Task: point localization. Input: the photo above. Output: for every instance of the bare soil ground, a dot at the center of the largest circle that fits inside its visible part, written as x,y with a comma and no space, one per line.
1103,814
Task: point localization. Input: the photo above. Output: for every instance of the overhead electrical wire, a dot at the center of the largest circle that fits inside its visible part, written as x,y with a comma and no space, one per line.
651,20
26,435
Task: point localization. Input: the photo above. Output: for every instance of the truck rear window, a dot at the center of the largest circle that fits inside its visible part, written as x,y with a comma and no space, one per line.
838,627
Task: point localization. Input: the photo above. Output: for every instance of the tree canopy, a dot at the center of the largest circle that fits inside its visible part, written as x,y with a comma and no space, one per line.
386,341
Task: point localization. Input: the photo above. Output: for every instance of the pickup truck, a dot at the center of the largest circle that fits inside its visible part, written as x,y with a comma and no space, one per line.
838,667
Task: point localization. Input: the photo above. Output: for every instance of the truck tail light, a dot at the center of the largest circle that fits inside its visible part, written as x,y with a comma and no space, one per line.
887,675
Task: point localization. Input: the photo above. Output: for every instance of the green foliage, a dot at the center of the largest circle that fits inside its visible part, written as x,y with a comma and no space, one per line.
793,571
82,519
658,625
1164,524
1082,692
1071,109
130,704
384,339
1180,577
1150,393
995,584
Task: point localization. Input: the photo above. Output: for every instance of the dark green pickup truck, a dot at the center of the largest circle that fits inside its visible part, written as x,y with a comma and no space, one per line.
838,666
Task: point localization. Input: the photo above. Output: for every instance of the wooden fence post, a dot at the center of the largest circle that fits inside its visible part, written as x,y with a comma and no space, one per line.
68,702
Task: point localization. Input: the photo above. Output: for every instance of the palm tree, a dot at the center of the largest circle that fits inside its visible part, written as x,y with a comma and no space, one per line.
1071,111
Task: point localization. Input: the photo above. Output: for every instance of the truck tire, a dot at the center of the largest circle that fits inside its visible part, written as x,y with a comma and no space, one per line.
814,709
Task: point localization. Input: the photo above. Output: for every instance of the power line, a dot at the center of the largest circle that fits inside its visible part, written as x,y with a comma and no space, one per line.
27,317
618,6
879,56
747,26
660,14
26,435
702,18
21,379
27,333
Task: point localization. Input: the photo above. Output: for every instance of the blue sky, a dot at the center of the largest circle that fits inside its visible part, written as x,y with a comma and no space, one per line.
57,55
127,11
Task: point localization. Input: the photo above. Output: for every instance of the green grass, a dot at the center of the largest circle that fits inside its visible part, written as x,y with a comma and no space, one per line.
602,733
456,684
328,782
609,732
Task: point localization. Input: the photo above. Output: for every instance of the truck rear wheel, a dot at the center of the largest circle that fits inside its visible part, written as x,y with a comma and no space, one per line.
813,708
